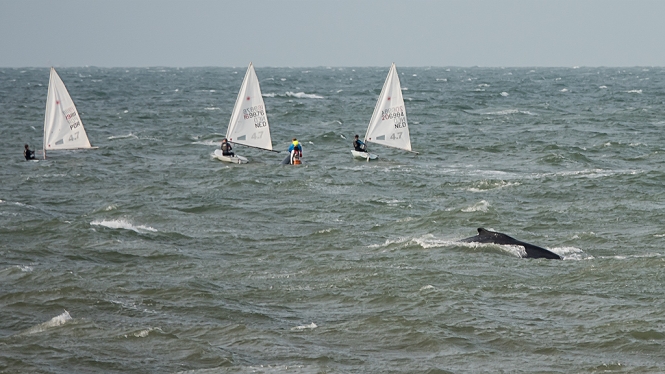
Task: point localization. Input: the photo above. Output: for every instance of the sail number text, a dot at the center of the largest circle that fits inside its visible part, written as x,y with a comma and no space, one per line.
72,118
258,113
397,114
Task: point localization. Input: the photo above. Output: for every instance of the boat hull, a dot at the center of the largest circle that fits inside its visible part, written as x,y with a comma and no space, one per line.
364,155
230,159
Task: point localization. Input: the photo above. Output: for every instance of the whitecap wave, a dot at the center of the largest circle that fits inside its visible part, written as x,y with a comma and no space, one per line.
302,95
268,95
634,91
207,142
212,108
504,93
506,112
481,206
144,333
58,320
130,135
570,253
389,242
564,90
430,241
484,186
311,326
122,224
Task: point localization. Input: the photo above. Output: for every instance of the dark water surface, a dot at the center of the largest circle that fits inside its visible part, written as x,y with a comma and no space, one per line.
147,255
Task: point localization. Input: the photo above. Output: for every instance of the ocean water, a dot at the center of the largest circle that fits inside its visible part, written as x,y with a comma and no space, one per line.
148,256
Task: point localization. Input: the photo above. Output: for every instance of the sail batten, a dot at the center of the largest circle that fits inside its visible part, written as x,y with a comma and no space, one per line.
249,122
388,125
63,127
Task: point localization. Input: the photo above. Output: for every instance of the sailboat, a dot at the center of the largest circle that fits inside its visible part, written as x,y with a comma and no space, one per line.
63,128
388,125
249,123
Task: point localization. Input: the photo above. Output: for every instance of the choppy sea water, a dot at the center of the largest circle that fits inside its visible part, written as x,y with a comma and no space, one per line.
147,255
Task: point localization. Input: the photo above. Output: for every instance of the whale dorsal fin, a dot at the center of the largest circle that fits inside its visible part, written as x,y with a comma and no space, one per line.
482,231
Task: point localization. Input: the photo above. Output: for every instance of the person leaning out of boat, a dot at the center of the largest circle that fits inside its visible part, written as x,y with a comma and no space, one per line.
358,145
295,149
28,154
226,148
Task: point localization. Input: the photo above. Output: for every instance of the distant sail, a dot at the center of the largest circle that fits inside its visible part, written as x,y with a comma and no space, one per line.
249,122
63,128
388,125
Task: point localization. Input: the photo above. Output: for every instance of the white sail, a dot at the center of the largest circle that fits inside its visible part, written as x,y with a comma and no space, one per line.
249,122
388,125
63,128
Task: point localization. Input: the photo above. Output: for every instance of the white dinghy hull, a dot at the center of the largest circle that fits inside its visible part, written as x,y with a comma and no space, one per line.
230,159
364,155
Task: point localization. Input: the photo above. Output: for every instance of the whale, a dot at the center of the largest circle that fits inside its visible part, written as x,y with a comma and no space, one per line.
532,251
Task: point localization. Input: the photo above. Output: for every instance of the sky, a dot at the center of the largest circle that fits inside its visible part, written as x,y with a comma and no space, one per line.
310,33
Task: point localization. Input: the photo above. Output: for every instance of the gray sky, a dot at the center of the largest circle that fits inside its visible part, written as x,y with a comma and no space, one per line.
298,33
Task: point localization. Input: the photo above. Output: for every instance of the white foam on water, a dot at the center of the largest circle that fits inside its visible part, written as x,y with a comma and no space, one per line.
515,250
302,95
427,287
143,333
487,186
130,135
442,79
207,142
25,268
506,112
311,326
635,91
122,224
504,93
268,95
603,87
389,242
56,321
391,202
212,108
481,206
564,90
570,253
430,241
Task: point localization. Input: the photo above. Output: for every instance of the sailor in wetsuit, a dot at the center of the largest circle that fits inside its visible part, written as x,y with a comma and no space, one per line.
295,150
358,145
28,154
226,148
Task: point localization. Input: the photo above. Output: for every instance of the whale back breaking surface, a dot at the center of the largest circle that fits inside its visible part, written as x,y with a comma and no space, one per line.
532,251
